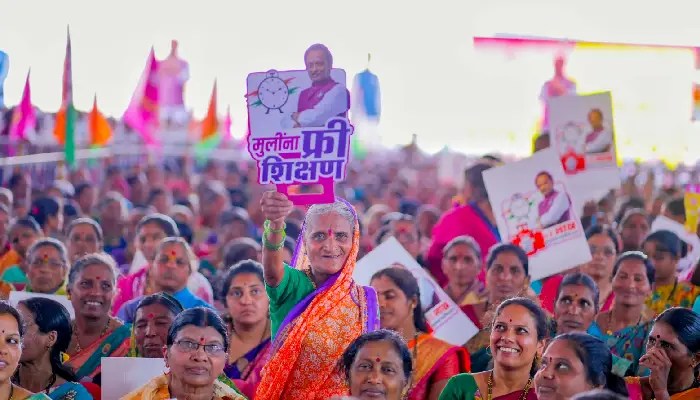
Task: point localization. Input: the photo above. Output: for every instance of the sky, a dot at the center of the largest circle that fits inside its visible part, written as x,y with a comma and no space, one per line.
421,51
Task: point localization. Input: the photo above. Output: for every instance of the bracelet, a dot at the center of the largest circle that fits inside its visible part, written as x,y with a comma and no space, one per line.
268,228
273,246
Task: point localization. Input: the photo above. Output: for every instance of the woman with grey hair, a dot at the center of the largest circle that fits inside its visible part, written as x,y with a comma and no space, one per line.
461,264
316,308
47,267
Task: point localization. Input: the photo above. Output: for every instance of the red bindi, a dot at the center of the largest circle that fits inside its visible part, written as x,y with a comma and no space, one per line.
330,232
201,340
98,278
379,359
150,316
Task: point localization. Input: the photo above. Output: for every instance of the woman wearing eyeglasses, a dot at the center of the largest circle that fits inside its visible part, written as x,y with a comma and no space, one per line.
47,267
665,249
195,356
626,326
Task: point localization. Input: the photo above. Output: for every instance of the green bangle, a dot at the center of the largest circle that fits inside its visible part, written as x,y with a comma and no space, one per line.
268,228
273,246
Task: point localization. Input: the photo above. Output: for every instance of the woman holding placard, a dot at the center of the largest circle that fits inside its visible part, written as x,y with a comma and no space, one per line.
48,333
517,339
316,308
434,360
507,276
91,285
195,356
626,326
665,249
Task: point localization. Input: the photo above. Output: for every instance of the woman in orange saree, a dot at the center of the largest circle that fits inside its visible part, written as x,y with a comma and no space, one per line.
673,356
316,308
434,361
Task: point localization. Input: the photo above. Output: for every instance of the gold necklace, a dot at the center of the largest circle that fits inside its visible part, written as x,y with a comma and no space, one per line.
78,349
523,396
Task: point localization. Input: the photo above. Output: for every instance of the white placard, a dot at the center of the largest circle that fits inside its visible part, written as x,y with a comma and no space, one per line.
583,134
16,297
123,375
533,207
445,317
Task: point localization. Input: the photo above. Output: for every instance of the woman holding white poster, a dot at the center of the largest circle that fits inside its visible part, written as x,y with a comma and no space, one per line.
435,361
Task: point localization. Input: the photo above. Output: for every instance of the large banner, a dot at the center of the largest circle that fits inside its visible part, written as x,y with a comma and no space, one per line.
534,209
445,317
299,130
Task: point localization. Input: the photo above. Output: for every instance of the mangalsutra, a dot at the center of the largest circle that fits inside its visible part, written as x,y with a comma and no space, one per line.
77,338
523,396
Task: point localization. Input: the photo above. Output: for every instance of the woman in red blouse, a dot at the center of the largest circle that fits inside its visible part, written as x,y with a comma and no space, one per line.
434,360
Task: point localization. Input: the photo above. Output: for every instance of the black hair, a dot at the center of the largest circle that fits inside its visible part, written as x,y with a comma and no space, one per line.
185,232
92,259
87,221
596,359
669,242
80,188
164,222
155,192
27,223
685,323
50,315
676,207
43,208
15,180
201,317
604,230
290,244
164,299
474,175
241,267
408,284
501,248
599,394
50,242
324,49
238,250
581,279
8,309
381,335
639,256
537,314
545,173
383,233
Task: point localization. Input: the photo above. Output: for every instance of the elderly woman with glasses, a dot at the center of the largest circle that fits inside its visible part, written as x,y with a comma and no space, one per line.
47,267
195,356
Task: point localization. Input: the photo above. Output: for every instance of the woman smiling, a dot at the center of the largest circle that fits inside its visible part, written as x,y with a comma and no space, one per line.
518,336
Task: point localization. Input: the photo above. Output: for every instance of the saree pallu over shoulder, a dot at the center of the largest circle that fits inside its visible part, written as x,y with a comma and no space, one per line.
316,331
433,356
157,389
87,363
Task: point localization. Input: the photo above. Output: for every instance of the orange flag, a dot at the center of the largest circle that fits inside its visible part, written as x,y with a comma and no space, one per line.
99,129
210,124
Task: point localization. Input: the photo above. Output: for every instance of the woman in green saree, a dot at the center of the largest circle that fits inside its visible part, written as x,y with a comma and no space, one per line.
91,285
518,336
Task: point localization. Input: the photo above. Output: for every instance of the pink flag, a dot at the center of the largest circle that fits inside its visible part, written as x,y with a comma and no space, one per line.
142,114
226,131
23,117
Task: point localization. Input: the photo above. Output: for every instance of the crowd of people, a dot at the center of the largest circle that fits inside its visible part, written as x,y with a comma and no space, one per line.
245,295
